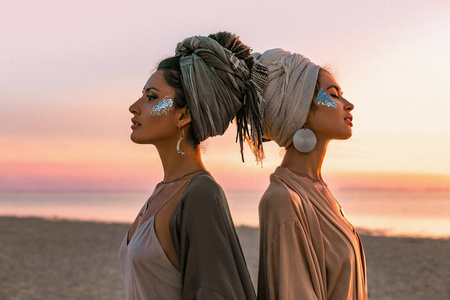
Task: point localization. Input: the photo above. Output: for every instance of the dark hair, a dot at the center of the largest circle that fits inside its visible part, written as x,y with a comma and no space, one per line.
172,72
317,88
172,75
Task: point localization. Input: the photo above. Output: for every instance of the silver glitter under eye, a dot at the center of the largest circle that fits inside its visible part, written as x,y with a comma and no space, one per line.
163,107
324,99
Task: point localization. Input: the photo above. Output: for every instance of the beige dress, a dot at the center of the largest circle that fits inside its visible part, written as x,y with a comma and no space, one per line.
147,271
308,250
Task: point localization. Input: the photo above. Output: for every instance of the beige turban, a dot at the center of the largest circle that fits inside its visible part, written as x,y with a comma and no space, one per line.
288,95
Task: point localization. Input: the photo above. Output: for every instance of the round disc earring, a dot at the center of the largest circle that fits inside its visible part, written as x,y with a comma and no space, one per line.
304,140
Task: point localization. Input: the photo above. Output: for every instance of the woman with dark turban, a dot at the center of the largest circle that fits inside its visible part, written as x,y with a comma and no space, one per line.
183,244
308,249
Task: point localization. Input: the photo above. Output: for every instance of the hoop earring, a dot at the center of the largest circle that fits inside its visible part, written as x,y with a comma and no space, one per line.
179,141
304,140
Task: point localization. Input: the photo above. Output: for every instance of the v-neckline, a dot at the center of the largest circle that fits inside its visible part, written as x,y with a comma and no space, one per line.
185,182
128,239
325,209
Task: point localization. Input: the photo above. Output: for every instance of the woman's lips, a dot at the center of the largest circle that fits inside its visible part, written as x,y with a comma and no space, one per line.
135,124
349,120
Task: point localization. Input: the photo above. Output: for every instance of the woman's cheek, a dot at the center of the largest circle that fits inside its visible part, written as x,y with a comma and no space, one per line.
325,100
163,107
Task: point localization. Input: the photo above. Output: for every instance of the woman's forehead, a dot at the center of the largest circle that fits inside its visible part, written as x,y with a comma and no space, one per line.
327,80
156,82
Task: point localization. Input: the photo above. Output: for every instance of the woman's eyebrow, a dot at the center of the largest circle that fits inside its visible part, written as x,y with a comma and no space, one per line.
335,87
148,89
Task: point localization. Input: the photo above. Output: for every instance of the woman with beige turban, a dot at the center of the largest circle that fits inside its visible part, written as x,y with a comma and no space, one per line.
308,249
183,244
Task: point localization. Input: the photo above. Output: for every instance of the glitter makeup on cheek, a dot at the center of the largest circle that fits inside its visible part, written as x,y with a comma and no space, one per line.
324,99
163,107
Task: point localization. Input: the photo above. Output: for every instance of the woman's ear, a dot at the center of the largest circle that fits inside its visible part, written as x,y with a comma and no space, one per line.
184,117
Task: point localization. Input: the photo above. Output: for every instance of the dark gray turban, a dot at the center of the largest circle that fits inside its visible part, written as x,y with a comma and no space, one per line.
218,87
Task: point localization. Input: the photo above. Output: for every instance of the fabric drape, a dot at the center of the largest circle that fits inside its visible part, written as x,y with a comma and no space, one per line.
211,260
218,87
307,250
288,95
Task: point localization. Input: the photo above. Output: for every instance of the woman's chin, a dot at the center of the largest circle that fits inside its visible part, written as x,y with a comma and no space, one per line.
348,136
137,140
345,136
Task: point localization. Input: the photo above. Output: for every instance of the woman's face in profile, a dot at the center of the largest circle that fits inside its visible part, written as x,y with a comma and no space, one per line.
154,117
332,118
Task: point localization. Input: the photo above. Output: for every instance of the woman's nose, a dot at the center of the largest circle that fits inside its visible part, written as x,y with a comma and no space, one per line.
349,106
133,108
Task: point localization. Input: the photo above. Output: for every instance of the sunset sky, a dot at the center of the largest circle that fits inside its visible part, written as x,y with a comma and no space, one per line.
70,70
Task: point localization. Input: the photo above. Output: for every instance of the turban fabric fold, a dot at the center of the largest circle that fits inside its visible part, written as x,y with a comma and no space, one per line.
288,95
218,87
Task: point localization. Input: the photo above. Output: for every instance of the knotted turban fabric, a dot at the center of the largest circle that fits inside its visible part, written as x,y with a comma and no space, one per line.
288,95
214,82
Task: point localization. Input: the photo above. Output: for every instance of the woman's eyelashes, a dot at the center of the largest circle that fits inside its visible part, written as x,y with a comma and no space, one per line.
150,97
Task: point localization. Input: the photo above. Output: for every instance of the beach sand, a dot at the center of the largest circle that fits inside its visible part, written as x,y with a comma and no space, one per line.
57,259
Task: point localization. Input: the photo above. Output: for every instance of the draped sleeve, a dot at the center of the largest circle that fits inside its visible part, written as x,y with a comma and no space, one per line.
291,253
211,260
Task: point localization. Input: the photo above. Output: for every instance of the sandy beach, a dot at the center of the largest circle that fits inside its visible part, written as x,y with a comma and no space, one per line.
57,259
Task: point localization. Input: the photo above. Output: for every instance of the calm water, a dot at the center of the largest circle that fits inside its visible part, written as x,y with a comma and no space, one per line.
387,213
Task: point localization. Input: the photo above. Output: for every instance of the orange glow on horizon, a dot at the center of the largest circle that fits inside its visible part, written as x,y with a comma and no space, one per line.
103,164
120,176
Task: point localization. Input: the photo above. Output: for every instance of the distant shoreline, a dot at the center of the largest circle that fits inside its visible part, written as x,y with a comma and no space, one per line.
361,231
356,189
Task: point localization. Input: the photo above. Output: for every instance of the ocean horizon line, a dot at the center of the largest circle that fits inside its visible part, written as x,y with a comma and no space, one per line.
140,190
398,212
360,230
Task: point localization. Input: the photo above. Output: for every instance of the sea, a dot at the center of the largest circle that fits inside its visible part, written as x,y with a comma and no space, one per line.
389,213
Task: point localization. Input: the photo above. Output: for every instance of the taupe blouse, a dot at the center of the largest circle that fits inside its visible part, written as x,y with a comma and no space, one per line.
308,250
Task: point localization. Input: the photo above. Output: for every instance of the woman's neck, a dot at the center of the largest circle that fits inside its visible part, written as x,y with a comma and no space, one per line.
176,165
306,163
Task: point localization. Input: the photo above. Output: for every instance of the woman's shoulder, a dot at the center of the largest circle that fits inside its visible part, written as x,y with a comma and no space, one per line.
276,193
278,200
202,190
279,192
202,202
203,183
